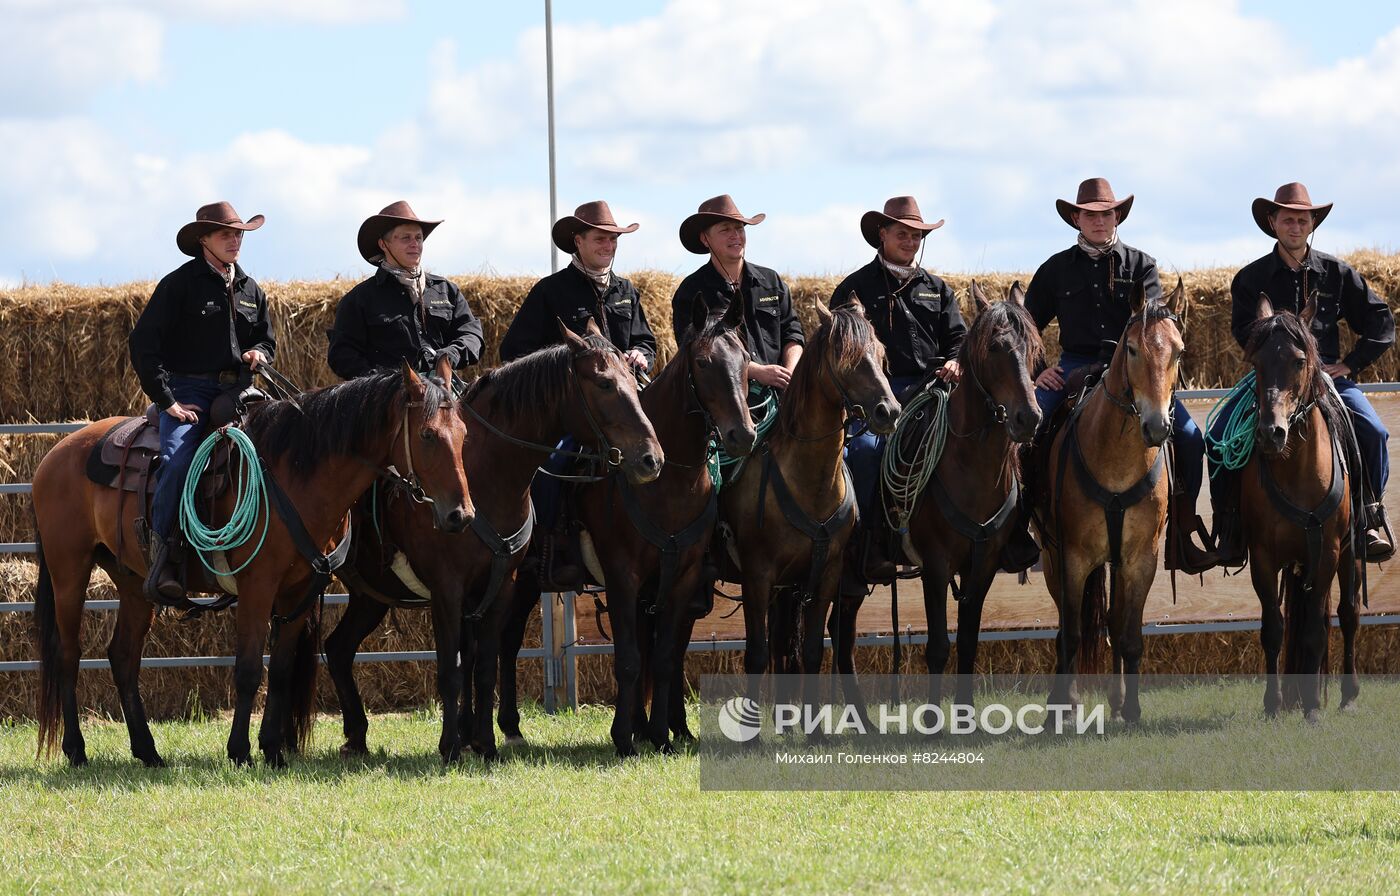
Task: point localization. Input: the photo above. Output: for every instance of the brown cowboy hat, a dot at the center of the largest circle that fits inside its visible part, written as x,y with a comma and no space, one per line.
1095,195
712,211
899,210
591,214
208,219
389,217
1294,196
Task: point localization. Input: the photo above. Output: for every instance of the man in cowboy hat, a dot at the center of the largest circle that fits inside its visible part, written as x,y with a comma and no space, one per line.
586,289
1089,287
402,312
775,336
204,331
1291,273
916,316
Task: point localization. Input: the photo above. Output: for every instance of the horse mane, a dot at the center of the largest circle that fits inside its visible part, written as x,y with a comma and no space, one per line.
1293,328
531,385
997,318
841,342
714,328
332,421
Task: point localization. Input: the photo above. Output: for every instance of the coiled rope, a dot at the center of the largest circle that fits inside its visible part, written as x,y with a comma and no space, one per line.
912,454
250,501
1232,449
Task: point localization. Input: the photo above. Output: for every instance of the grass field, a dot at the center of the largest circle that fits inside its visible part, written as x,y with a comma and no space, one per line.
565,815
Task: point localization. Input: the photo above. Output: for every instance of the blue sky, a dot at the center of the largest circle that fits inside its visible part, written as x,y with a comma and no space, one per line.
120,117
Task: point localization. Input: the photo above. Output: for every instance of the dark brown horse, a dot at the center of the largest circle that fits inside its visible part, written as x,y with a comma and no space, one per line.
1107,502
646,545
516,415
1297,506
324,448
790,510
962,519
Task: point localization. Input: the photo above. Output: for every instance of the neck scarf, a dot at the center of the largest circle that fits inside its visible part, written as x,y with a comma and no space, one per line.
1097,252
901,271
415,281
226,276
601,279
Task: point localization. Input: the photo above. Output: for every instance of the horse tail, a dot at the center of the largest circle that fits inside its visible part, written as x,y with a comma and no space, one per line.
1093,616
301,718
50,700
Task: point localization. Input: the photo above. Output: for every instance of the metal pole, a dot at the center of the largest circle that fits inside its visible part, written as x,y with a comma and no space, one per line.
549,102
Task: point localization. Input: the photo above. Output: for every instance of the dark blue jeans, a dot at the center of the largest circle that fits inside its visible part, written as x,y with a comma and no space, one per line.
1187,440
178,443
546,491
863,454
1371,438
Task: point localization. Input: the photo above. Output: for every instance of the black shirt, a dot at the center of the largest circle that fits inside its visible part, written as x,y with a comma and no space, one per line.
195,323
378,326
570,296
768,314
1076,289
1341,293
918,322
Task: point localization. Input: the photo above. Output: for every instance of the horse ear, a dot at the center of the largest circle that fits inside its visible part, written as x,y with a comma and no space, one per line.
823,313
411,379
591,328
979,297
1139,297
1309,310
573,340
1017,295
444,370
699,313
733,315
1176,302
855,304
1265,309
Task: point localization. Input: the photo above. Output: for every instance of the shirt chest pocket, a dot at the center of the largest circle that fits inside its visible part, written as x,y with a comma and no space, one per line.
247,310
925,304
386,329
621,310
201,310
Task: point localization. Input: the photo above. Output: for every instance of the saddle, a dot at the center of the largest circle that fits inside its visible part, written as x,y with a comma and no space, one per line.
1035,456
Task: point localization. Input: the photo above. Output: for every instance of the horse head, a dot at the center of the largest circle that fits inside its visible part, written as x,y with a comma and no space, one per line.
607,393
430,450
1147,360
717,360
854,360
998,354
1283,353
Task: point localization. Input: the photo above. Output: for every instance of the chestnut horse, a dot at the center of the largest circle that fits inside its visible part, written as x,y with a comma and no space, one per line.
323,448
1298,510
1107,502
791,509
649,543
963,518
516,415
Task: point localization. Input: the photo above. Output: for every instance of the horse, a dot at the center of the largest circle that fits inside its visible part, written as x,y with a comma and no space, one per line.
515,416
791,510
1298,508
962,519
1106,503
320,449
646,546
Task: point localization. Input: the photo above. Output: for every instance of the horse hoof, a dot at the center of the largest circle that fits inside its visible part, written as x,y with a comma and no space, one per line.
515,740
626,751
78,758
243,761
683,734
353,749
275,760
1349,707
665,749
152,761
1313,717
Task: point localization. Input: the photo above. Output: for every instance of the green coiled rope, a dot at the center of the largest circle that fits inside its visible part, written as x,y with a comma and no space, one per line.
1232,449
764,413
249,503
910,458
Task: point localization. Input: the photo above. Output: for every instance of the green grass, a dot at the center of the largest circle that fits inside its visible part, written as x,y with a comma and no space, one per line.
565,815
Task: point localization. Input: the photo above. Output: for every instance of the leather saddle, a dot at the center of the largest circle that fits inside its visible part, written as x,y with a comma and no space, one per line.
1035,457
127,457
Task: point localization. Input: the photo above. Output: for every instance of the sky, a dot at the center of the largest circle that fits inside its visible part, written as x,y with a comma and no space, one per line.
118,118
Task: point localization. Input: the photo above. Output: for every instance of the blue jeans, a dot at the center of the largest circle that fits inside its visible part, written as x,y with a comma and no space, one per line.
1187,440
546,491
863,455
1371,438
178,443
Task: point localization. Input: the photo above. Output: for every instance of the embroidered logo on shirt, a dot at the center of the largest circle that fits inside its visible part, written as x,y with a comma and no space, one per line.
923,294
765,300
244,304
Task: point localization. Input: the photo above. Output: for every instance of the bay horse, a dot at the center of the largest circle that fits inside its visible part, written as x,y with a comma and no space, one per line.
963,517
515,416
648,544
791,509
322,449
1298,509
1107,503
